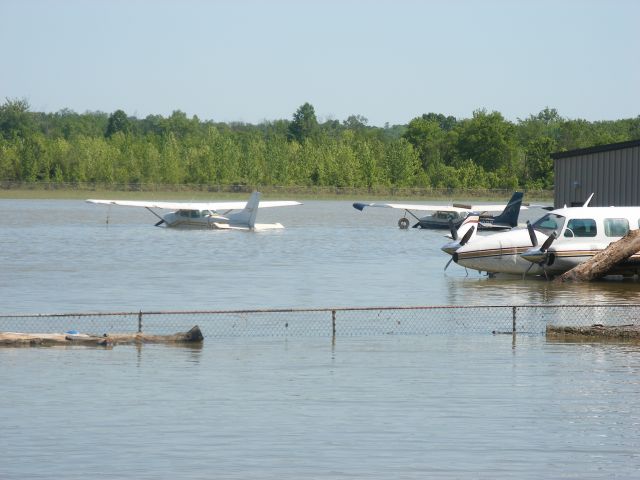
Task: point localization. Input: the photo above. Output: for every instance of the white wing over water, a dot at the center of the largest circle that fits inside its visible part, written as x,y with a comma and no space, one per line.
433,208
213,206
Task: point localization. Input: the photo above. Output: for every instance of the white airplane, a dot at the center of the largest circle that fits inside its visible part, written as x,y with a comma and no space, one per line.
460,237
443,215
554,244
215,215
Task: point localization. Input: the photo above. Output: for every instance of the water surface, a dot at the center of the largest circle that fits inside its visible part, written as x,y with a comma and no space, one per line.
379,407
385,407
62,256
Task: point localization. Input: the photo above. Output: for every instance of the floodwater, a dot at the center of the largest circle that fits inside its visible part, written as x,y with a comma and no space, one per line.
63,256
379,407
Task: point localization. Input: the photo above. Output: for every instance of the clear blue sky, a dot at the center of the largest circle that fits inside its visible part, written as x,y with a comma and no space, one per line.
389,61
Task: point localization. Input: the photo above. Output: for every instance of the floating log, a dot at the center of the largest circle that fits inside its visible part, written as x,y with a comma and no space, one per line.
602,262
13,339
193,335
595,332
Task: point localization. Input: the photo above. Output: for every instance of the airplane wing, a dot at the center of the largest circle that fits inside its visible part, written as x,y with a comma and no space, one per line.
492,227
456,207
487,207
213,206
278,203
258,227
406,206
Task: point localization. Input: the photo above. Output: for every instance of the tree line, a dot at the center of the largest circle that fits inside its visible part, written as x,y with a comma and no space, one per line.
433,150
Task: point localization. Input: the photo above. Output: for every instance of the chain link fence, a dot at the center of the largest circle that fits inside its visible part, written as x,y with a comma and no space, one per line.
370,321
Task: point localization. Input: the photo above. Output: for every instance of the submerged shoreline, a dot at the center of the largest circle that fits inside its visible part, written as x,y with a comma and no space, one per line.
69,191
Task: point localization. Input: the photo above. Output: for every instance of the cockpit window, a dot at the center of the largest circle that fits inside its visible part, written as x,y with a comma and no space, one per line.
549,223
581,227
616,227
190,213
447,215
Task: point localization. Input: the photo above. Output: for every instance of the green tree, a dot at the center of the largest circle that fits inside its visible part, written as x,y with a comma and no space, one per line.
538,163
545,124
574,134
427,137
446,123
356,122
634,128
487,139
401,163
16,119
118,122
304,125
180,125
370,154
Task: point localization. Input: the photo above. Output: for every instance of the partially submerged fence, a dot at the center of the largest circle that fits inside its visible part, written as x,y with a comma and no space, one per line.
428,320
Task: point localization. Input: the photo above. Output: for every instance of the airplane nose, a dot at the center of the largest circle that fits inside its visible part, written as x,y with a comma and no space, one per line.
534,255
450,248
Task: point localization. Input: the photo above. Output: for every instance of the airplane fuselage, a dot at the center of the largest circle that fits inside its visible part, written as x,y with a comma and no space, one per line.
193,219
440,219
581,233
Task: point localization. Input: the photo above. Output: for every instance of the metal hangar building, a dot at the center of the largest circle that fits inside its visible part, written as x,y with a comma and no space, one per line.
611,172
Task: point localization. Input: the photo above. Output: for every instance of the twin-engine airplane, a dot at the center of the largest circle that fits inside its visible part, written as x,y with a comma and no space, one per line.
215,215
443,215
552,245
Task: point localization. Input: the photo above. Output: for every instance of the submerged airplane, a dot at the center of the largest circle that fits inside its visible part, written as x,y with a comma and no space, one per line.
443,215
552,245
215,215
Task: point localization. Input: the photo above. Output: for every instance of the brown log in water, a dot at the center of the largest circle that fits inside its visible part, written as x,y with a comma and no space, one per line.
55,339
601,263
596,332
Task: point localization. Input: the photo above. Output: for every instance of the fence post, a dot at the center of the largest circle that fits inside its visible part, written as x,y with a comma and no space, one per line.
140,322
513,319
333,322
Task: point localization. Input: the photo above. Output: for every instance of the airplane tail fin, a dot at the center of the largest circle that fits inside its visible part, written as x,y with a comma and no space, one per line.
586,203
247,216
471,222
509,215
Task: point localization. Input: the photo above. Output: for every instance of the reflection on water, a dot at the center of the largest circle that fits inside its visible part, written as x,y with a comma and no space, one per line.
514,290
387,406
61,256
380,407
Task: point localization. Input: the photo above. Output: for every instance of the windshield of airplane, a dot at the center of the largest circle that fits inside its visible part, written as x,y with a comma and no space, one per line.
445,215
549,223
191,213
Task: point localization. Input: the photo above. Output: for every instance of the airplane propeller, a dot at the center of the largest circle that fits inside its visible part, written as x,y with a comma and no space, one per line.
452,229
547,243
532,234
157,224
447,265
467,236
460,243
539,255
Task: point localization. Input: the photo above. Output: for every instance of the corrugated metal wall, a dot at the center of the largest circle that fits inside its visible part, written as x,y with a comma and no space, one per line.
614,177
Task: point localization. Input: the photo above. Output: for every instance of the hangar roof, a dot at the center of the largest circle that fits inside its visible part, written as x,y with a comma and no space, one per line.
596,149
